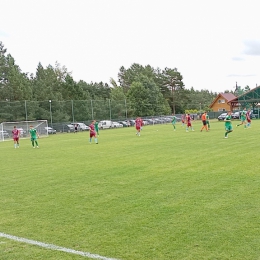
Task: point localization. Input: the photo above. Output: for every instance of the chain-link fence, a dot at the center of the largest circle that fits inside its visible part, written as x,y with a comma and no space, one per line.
71,111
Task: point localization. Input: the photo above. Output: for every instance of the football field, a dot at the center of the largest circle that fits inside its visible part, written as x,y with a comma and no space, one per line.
164,195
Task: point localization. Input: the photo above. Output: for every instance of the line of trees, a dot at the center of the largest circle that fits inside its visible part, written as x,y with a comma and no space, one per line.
149,91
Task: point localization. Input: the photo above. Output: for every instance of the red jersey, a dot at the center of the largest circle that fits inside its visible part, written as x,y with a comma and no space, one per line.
248,116
138,123
188,119
92,131
15,133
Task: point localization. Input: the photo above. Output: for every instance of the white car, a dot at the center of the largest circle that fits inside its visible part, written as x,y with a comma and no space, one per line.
22,132
81,126
50,130
116,124
105,124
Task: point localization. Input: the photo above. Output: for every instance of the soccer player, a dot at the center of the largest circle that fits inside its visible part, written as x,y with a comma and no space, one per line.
96,128
188,122
174,119
204,121
228,124
92,132
182,120
75,128
138,125
243,118
16,135
34,134
207,121
248,119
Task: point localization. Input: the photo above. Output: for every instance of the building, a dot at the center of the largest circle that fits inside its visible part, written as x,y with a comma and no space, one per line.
221,102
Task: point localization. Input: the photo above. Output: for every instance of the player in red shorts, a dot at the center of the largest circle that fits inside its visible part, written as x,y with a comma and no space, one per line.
248,119
188,122
16,135
92,132
138,125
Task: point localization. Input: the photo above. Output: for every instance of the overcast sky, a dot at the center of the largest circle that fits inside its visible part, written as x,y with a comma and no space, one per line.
213,44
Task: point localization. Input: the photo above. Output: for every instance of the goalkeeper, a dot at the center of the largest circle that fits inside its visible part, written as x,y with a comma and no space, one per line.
34,134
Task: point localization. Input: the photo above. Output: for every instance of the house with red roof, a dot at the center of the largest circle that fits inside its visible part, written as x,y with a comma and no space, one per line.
220,103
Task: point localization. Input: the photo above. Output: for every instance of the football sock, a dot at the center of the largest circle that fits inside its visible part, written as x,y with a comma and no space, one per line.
95,140
36,142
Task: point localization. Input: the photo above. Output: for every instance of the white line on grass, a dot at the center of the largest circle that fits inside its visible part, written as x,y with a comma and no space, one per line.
53,247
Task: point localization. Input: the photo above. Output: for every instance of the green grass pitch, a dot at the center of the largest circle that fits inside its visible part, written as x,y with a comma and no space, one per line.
163,195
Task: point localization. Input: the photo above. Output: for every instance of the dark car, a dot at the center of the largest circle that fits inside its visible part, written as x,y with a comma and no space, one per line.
222,116
124,123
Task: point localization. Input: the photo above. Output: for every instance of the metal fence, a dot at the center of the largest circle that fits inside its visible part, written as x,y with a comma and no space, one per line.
70,111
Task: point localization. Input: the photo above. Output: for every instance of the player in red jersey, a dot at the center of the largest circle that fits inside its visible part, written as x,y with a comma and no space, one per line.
16,135
138,125
92,132
248,118
182,120
188,122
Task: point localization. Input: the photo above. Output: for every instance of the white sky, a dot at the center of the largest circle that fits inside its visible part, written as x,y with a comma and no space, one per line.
212,43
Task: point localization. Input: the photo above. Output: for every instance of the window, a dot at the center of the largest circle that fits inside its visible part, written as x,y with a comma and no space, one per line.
221,109
221,101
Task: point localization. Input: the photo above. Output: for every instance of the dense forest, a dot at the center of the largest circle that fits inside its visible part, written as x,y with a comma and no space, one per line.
138,91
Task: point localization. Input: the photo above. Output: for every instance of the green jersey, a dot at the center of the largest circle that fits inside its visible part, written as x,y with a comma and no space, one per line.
33,132
228,123
207,117
243,115
173,119
96,126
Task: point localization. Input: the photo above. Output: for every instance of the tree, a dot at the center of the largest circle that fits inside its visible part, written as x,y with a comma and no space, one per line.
146,98
172,79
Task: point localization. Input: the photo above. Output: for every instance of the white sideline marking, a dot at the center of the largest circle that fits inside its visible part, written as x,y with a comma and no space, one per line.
53,247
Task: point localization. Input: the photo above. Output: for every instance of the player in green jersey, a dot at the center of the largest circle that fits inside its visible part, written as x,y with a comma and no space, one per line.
207,121
34,134
174,119
243,118
228,124
96,127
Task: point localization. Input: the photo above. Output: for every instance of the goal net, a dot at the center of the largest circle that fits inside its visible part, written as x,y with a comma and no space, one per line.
23,126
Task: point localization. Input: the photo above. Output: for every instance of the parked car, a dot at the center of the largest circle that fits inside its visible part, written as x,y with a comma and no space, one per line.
222,116
105,124
235,115
4,134
81,126
124,123
50,130
253,116
21,131
68,128
117,124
